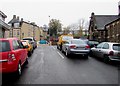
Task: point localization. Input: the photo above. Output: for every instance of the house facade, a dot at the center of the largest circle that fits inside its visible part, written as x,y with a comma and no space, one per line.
3,26
113,31
22,29
97,24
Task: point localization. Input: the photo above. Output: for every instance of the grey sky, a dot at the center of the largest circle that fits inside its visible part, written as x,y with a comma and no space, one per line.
67,11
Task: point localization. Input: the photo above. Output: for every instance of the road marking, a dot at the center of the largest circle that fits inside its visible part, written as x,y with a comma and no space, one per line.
54,48
60,55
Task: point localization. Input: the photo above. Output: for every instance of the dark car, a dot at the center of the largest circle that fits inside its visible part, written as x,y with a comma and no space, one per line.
92,43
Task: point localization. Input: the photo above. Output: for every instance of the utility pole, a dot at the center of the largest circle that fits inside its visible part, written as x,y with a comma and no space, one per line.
49,28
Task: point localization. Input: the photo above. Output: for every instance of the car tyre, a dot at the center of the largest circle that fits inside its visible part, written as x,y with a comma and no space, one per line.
26,62
19,70
29,53
106,59
67,54
91,53
86,56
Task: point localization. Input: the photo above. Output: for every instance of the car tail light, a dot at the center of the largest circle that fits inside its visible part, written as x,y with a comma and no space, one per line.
87,46
72,46
111,53
11,57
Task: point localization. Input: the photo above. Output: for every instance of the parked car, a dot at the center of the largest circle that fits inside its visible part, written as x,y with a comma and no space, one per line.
76,46
43,42
32,40
107,50
62,39
30,46
12,55
92,43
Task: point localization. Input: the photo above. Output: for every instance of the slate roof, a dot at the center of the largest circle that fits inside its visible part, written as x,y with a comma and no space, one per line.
102,20
3,15
14,20
4,25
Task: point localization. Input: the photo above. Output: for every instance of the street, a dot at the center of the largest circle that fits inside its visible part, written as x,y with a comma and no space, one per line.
47,65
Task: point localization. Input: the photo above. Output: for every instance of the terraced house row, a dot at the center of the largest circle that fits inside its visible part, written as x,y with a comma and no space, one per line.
19,28
3,26
105,27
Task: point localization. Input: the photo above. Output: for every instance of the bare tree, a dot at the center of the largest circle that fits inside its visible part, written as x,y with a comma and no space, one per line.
73,27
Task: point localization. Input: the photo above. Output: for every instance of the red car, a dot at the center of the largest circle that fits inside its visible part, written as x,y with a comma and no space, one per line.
12,55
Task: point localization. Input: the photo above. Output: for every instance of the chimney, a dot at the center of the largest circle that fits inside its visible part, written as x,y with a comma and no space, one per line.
21,19
14,16
18,18
119,8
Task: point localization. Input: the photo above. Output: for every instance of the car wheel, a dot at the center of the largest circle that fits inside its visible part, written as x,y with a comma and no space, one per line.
29,53
86,56
26,62
67,54
91,54
57,47
106,59
19,70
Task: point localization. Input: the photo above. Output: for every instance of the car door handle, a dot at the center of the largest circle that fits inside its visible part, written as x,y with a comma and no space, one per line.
99,50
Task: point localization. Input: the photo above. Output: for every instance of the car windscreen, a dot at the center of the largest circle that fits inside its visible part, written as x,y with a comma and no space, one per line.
27,39
77,42
24,43
66,38
93,42
4,46
116,47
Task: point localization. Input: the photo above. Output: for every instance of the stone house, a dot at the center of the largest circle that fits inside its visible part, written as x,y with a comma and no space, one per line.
3,26
113,31
97,24
22,29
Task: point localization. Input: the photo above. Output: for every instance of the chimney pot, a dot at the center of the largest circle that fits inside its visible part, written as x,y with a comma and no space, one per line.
18,18
14,16
21,19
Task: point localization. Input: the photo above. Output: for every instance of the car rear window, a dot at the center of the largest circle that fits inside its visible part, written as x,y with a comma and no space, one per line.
66,38
77,42
116,47
4,46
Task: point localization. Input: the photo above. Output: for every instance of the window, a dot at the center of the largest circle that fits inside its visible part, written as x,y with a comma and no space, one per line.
65,38
106,46
4,46
100,45
16,25
20,44
18,32
77,42
116,47
15,45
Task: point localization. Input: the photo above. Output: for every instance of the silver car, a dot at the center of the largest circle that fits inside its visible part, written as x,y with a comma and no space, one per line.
76,46
107,50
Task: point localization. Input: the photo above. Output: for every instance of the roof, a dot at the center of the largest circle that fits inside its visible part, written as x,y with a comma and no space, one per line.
102,20
14,20
8,38
3,15
4,25
113,21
